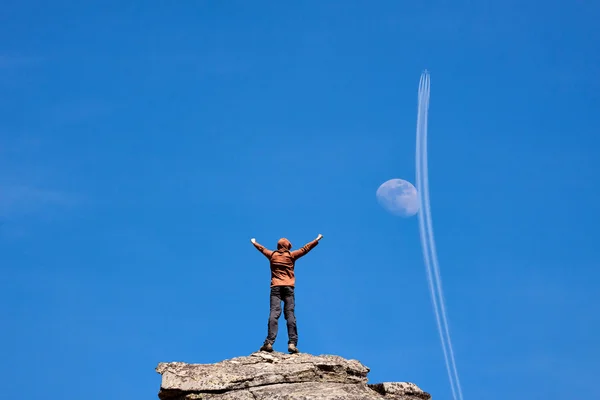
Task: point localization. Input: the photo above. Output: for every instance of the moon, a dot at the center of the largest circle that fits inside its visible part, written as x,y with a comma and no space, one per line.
398,197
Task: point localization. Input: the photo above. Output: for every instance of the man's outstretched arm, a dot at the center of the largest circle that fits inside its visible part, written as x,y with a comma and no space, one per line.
268,253
296,254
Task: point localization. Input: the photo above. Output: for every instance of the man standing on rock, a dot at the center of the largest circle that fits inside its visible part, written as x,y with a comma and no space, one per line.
282,262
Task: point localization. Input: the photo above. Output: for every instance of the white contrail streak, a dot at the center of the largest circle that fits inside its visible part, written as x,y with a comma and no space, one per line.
422,114
427,239
436,268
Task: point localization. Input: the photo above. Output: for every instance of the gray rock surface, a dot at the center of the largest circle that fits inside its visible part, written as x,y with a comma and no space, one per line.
270,376
400,390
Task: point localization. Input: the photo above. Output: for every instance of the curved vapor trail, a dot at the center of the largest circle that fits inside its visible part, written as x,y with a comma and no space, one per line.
436,268
422,114
427,239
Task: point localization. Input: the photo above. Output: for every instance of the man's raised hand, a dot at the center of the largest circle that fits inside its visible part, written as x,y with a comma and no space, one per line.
319,237
253,240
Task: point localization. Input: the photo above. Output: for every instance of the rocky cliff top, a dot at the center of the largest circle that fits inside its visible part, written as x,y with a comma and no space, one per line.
267,376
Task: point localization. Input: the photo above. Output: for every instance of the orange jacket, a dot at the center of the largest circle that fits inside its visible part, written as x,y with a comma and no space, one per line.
282,260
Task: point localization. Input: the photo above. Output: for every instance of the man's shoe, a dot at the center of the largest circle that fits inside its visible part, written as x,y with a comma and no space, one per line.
292,348
267,347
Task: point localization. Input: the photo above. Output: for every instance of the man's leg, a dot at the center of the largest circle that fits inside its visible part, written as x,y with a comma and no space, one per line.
288,310
274,314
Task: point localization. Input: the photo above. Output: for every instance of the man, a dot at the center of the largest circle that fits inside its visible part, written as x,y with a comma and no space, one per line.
282,262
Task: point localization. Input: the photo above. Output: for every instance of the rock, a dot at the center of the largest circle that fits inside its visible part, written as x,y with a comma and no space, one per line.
315,390
266,376
400,390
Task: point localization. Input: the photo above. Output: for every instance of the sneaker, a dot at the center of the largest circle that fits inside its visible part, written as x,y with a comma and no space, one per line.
292,348
267,347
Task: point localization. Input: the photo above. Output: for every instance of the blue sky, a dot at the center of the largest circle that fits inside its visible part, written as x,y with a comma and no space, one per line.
142,144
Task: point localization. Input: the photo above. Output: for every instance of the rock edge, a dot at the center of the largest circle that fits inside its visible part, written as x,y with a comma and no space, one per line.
266,376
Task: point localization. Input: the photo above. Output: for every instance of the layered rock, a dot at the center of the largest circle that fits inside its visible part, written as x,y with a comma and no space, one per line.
266,376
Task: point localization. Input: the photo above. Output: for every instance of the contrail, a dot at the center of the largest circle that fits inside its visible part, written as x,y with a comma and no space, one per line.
422,116
427,239
436,268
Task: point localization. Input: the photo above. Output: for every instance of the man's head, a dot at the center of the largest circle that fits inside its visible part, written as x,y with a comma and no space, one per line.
283,243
